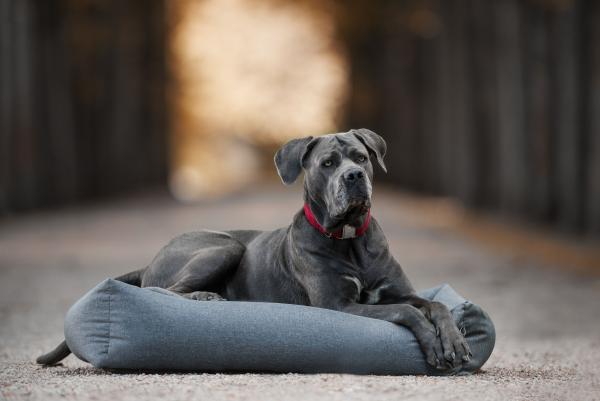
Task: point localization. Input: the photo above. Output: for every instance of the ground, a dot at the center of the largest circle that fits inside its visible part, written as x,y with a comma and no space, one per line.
546,312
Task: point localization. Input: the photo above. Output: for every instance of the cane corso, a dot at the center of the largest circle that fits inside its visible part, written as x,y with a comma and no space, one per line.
334,254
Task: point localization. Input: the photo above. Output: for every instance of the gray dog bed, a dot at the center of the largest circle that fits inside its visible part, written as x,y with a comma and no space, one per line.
119,326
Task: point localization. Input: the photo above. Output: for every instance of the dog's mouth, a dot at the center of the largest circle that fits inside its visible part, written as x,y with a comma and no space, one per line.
361,204
354,207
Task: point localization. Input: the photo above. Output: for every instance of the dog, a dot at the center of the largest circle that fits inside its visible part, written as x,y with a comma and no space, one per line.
334,254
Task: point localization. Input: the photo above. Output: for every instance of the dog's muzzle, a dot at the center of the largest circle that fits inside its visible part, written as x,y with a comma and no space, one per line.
357,186
351,193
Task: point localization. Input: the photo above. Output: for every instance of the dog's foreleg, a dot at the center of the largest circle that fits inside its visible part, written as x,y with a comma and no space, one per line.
456,349
408,316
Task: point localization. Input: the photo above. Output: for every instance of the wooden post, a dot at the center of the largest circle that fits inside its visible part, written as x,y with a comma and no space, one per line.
568,158
512,137
537,106
592,80
6,102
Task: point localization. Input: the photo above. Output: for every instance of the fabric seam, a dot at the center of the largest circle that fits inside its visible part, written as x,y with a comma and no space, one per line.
463,326
109,323
437,291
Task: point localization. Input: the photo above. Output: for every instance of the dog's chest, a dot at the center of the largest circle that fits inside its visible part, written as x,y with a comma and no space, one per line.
364,295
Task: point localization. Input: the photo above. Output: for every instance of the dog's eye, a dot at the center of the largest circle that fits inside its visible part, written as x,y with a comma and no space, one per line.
327,163
361,159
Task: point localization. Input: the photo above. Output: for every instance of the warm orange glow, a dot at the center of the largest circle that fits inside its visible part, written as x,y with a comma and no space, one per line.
249,73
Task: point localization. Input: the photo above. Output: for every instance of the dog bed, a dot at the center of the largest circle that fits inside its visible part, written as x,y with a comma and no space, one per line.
119,326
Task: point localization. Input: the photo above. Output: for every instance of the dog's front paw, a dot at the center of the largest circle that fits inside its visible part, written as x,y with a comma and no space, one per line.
204,296
431,345
456,349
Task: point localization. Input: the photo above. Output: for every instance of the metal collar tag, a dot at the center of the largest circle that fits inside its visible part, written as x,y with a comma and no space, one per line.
348,232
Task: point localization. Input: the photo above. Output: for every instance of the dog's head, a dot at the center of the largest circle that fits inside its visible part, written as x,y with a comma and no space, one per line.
338,173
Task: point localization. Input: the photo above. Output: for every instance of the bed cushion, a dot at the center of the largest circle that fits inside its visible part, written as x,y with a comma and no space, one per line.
119,326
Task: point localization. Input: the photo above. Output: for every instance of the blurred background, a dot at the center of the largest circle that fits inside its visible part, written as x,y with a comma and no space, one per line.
126,123
492,103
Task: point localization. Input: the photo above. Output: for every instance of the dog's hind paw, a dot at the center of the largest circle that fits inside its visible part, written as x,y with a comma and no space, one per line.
204,296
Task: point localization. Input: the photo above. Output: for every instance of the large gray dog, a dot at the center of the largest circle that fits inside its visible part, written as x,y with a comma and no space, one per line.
334,254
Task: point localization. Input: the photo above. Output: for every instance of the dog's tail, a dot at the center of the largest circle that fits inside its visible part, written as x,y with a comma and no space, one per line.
56,355
62,350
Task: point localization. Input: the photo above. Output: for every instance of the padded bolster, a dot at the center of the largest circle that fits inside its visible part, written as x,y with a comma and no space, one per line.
119,326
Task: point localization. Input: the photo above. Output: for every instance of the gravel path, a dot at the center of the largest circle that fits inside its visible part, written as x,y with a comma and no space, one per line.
547,320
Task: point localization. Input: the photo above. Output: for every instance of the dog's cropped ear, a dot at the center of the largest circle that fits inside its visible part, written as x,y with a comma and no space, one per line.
289,158
374,143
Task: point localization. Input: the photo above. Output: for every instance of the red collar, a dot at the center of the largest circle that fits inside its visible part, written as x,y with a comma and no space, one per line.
344,233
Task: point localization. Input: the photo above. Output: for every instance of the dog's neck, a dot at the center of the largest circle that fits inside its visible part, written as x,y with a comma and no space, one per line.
347,231
320,214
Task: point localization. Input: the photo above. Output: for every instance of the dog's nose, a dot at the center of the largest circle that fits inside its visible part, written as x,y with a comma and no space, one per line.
354,175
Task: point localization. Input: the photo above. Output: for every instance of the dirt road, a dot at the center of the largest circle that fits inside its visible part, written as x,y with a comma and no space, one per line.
547,320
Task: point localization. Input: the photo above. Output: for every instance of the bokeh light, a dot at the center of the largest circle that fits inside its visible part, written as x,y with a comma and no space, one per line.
248,75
